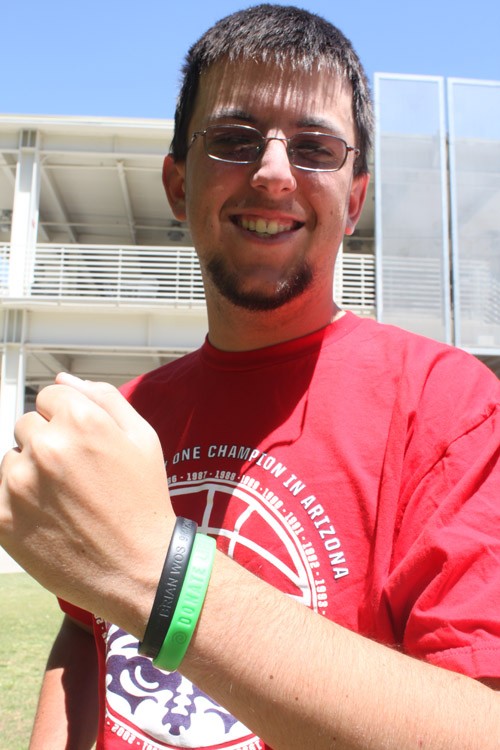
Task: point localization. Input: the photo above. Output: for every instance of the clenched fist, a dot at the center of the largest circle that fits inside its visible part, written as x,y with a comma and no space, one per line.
84,505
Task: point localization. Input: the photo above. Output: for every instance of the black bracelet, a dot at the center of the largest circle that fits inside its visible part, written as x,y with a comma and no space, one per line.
169,586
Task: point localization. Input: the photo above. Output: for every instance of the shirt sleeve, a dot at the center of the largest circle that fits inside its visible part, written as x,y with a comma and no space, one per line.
444,587
78,614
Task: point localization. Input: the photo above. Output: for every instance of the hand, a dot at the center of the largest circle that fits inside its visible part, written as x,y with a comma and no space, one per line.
84,504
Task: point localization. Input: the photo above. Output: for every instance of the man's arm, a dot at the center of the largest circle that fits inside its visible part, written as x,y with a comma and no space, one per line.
85,509
67,710
298,680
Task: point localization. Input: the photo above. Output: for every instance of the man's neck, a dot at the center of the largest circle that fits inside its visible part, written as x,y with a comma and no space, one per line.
245,330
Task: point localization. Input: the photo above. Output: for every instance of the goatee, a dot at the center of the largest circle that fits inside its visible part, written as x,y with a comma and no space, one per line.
229,286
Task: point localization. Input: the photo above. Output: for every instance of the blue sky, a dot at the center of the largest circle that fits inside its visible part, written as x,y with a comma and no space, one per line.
122,59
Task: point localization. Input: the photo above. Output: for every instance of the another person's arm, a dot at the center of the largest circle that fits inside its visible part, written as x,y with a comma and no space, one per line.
67,710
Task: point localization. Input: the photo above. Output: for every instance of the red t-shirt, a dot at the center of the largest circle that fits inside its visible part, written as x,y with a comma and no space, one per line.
355,469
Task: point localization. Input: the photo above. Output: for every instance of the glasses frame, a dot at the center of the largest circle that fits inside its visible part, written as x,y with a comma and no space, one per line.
265,140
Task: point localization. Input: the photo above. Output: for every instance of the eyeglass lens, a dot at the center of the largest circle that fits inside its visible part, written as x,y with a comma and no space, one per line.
242,144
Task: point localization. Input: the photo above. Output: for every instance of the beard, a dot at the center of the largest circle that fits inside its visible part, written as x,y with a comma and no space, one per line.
230,286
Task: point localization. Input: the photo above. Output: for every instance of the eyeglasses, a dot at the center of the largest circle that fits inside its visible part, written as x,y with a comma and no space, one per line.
242,144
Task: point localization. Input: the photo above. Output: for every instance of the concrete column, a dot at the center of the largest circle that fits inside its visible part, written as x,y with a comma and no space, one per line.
12,377
338,286
25,213
12,384
11,394
10,409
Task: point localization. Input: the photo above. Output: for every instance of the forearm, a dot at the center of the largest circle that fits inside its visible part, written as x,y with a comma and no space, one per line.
67,708
298,680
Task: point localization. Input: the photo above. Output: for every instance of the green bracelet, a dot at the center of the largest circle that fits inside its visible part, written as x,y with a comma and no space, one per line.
188,609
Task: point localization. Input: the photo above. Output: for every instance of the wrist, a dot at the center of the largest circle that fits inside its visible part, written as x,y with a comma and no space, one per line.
190,602
131,589
170,586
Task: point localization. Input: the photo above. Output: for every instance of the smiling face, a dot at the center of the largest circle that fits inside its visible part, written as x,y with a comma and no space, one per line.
267,233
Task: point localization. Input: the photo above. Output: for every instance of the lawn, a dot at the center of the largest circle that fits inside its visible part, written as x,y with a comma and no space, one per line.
30,619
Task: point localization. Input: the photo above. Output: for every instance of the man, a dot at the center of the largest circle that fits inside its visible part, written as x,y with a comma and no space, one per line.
343,465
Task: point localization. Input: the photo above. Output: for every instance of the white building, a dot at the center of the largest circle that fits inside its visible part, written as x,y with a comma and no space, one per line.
98,278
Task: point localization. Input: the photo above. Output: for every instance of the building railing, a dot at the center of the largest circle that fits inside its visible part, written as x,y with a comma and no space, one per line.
416,285
149,275
355,284
412,284
479,291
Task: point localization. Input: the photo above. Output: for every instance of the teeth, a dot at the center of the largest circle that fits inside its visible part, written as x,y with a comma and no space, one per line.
261,226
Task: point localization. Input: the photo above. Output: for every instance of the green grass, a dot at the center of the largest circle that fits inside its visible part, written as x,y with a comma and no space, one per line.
30,618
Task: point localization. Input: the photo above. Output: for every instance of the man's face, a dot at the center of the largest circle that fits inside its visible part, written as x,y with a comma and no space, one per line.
268,232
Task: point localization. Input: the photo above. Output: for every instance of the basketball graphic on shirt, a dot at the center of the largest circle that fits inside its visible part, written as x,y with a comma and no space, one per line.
256,532
253,527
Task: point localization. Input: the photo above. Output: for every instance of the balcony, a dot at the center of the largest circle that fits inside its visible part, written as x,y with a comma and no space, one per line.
131,276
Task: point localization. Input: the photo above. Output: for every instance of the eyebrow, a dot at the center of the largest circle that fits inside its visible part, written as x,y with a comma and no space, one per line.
232,113
319,122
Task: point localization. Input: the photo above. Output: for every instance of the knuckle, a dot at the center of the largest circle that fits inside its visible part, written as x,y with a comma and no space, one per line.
18,479
43,395
47,451
102,392
77,415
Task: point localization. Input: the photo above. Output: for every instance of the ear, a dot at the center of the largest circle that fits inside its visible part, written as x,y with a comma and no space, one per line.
357,197
173,177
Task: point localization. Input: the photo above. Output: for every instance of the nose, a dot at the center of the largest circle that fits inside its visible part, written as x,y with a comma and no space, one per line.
273,172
